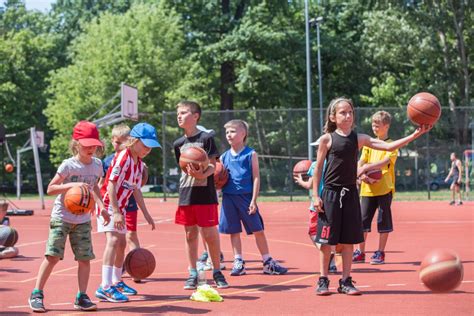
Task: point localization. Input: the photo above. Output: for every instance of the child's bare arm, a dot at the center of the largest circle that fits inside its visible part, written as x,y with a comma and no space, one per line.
324,145
56,185
119,222
100,204
308,184
141,204
256,183
366,140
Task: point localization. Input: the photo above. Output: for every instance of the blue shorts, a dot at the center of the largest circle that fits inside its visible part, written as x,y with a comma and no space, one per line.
234,209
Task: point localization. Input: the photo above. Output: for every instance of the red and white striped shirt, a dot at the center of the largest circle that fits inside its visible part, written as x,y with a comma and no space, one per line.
128,176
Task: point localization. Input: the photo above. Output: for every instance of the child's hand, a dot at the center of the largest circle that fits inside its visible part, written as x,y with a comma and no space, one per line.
318,204
367,179
252,208
150,221
194,172
298,178
105,215
119,223
422,129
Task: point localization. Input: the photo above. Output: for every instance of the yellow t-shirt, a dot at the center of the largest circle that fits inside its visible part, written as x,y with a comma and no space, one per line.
387,183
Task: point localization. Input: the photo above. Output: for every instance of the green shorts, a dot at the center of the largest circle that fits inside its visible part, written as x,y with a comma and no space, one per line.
79,237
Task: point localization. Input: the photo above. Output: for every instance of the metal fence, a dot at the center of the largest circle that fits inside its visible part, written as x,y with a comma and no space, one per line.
280,138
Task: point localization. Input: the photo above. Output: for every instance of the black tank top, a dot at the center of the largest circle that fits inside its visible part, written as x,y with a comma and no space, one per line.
341,161
455,170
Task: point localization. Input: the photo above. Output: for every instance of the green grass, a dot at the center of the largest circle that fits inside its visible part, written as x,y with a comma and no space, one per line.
441,195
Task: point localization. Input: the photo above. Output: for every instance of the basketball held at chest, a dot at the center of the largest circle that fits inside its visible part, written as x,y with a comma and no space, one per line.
193,155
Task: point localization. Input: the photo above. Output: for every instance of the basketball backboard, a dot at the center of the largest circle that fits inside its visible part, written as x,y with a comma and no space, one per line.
129,102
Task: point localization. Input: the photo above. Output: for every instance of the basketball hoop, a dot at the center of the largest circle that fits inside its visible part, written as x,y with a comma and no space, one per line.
128,107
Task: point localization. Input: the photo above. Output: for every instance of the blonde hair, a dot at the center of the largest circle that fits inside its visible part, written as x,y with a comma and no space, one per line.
331,126
238,123
194,107
131,141
383,117
120,130
74,148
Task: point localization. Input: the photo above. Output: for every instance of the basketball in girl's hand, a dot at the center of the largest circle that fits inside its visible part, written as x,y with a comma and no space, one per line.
375,174
302,168
424,109
195,155
220,175
441,270
79,200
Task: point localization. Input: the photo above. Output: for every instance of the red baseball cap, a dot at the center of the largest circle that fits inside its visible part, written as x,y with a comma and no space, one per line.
87,134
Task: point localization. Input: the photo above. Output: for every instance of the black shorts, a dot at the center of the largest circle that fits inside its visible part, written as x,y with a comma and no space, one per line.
369,205
341,222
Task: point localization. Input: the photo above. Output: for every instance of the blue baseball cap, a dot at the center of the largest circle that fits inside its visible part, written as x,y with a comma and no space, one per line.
146,133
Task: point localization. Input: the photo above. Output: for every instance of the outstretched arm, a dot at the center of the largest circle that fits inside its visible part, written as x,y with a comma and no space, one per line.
366,140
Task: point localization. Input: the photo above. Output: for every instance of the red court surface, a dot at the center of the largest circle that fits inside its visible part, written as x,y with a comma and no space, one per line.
390,289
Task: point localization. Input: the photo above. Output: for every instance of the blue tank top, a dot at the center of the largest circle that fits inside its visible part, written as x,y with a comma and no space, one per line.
240,171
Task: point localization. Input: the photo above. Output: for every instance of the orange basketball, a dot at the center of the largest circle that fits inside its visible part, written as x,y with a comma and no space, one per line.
220,175
302,167
375,174
424,109
79,200
9,167
140,263
195,155
441,270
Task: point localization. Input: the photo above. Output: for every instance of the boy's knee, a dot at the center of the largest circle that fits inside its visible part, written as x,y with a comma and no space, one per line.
52,259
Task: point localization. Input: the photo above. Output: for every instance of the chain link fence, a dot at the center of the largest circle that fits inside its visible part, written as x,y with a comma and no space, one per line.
280,138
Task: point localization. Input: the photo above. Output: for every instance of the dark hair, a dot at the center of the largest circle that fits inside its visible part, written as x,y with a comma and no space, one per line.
193,106
330,126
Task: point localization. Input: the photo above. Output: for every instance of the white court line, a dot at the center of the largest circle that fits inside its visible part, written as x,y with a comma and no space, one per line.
467,282
93,233
436,222
56,304
18,306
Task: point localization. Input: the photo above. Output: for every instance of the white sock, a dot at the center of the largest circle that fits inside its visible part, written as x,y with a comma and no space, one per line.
238,256
265,257
116,275
107,272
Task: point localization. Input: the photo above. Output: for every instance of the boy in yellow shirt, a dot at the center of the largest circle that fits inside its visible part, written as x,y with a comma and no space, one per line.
377,194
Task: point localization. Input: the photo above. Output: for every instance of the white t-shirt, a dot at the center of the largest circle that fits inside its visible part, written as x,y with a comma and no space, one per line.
75,171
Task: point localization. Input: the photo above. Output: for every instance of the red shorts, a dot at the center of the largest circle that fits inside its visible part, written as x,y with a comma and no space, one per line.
131,221
203,215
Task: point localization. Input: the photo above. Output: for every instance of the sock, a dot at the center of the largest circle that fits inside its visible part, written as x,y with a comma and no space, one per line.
107,272
79,293
36,291
265,257
116,275
193,272
238,256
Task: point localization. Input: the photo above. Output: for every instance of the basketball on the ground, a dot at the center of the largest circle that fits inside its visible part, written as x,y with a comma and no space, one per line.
375,174
441,270
9,167
79,200
302,168
220,175
195,155
424,109
8,236
140,263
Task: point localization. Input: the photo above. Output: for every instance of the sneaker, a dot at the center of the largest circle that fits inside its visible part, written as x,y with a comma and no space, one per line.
208,265
347,287
358,256
459,203
111,294
203,257
219,278
84,303
323,286
332,264
451,203
125,289
36,302
191,283
378,257
273,267
238,268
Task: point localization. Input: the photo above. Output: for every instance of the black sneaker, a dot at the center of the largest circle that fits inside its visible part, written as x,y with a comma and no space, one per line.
191,283
451,203
36,303
219,278
323,286
84,303
347,287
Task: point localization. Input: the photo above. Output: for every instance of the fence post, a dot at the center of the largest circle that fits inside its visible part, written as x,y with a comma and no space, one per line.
428,171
